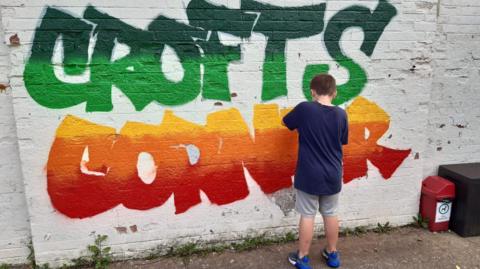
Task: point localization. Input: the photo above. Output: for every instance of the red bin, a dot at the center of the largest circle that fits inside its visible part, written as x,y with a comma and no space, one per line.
436,202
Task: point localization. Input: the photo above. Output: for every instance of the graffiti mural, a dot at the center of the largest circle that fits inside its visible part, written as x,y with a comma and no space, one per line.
224,144
92,169
225,147
139,76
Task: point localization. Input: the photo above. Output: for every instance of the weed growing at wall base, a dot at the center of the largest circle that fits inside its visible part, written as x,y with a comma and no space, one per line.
263,240
99,256
420,222
383,228
245,244
357,231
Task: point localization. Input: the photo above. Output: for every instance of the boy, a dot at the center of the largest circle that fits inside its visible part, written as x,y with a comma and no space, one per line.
322,129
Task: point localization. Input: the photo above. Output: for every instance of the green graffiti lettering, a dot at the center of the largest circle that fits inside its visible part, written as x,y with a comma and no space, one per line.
216,60
39,74
372,24
279,24
220,18
217,56
139,75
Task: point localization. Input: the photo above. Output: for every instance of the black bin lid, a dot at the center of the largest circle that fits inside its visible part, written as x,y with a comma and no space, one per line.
464,171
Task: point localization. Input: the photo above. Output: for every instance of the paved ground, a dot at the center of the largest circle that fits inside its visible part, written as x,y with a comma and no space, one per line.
402,248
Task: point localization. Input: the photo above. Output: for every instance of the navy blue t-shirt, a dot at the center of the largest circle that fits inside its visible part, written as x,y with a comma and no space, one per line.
322,132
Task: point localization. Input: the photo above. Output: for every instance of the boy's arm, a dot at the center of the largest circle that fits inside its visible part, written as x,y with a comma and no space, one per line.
293,119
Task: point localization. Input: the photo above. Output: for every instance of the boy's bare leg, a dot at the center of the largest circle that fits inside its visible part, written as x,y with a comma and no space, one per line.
305,231
331,232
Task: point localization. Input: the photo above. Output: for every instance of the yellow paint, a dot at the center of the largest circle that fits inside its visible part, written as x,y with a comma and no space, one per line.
363,111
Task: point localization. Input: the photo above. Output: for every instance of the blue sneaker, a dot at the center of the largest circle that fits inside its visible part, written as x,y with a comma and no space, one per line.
332,258
302,263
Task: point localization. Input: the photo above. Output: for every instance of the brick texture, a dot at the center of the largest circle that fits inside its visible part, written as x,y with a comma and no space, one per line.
157,123
14,225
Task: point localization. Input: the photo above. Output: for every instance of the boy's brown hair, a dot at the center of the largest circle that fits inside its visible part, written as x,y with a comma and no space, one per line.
323,84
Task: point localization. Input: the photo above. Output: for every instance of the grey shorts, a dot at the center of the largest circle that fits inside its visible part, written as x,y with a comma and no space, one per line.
308,205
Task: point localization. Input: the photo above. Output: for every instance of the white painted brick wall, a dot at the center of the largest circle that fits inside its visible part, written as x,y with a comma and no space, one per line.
14,225
424,73
454,111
